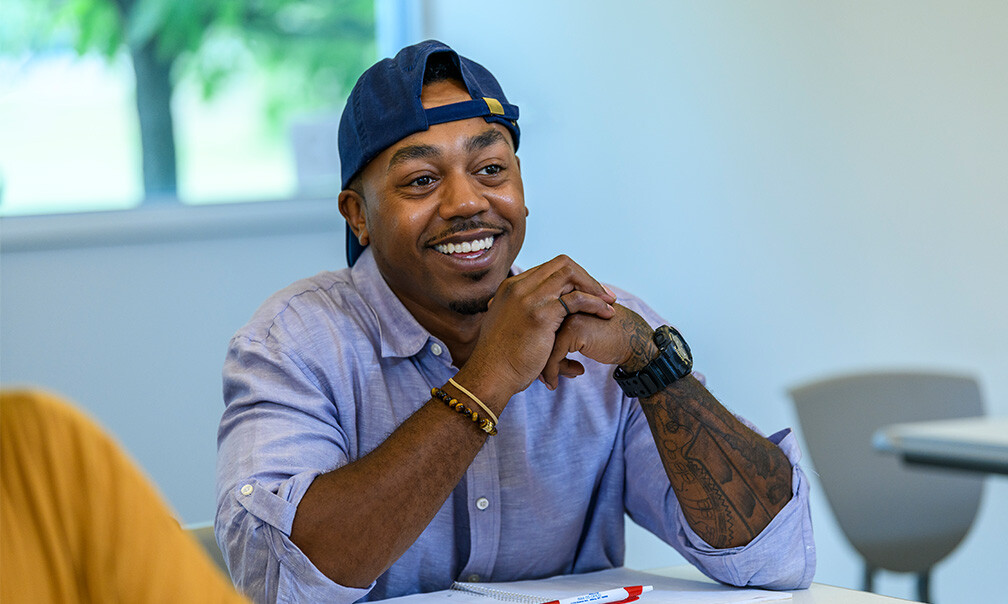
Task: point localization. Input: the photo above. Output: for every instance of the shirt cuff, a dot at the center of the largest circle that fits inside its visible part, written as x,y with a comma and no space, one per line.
782,556
297,579
300,581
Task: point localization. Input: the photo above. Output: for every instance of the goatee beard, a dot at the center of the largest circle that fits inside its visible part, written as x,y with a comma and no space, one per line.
470,307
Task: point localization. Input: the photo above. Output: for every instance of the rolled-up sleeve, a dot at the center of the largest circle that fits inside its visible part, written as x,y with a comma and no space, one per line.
277,424
782,556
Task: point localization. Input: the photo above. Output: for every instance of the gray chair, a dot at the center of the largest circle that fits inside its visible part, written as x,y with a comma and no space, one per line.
203,532
898,517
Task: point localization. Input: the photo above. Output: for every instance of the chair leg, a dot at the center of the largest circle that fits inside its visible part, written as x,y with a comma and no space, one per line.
869,577
924,586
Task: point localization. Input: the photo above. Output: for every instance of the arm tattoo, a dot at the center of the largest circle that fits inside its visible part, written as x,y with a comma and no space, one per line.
642,346
729,480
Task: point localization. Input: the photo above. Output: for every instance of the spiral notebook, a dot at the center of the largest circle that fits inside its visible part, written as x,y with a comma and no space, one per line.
626,594
666,589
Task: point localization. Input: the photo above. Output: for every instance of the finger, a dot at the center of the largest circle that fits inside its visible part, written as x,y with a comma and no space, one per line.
563,275
563,344
581,302
564,304
580,280
570,368
556,299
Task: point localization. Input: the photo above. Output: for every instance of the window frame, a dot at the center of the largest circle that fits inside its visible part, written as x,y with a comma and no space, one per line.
397,24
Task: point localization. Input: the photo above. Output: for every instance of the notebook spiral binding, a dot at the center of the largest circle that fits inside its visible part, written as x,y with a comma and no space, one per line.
499,595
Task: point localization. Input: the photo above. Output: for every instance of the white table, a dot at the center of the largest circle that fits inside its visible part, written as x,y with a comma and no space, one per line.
688,579
977,444
816,594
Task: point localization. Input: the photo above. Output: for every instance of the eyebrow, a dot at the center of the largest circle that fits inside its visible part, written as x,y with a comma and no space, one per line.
483,140
488,137
412,152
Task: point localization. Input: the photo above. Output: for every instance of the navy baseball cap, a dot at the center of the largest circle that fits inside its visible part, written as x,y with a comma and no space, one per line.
384,108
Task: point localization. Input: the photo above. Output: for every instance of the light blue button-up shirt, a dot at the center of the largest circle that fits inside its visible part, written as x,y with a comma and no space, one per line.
328,367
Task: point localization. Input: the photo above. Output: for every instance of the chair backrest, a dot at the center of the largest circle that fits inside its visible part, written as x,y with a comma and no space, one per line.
203,532
897,517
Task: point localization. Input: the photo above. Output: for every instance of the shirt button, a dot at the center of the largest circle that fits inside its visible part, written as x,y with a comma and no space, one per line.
436,349
246,490
482,503
474,578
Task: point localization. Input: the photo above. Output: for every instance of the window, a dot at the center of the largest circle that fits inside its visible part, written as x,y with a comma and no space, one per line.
238,100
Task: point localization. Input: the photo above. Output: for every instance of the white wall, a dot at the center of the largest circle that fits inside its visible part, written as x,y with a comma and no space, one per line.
802,187
129,315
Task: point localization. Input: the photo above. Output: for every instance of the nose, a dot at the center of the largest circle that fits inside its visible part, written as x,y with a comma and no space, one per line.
461,197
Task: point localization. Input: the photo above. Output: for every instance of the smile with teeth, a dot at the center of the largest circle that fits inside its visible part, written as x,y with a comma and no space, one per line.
466,246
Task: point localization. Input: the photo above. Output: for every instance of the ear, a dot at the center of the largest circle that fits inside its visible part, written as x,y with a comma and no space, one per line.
351,206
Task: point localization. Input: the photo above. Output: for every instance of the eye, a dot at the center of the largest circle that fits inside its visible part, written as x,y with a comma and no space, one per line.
422,181
491,169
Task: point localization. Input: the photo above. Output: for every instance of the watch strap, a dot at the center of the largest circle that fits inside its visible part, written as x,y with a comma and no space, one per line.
673,362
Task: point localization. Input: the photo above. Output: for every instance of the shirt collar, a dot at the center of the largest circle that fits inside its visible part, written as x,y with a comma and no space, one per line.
401,334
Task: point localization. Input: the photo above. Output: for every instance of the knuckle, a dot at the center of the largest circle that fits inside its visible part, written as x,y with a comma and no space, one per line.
538,313
508,285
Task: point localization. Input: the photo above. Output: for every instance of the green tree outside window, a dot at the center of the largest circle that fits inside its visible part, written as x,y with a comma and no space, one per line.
309,52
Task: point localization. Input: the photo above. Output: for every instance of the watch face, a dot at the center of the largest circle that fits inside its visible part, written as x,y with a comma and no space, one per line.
680,347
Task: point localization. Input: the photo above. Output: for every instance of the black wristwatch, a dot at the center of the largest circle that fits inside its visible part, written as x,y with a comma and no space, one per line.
673,362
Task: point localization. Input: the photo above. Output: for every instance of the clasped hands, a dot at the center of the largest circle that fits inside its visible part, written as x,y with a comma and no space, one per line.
541,315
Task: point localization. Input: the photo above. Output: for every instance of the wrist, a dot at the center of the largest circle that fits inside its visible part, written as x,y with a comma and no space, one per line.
641,347
640,355
493,392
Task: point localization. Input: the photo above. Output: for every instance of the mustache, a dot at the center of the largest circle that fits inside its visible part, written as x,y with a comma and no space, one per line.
469,224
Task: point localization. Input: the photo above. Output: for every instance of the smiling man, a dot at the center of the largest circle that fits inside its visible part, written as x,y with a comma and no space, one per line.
434,413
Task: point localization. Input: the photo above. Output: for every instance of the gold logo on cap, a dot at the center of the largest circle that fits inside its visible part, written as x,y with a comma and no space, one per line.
494,105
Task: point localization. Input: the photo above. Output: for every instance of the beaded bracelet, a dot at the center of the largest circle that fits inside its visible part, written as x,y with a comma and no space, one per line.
484,424
486,409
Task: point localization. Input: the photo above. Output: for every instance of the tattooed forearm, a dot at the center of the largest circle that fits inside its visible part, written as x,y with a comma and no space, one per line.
729,480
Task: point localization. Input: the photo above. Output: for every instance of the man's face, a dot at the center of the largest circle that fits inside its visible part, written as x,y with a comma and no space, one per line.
445,210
